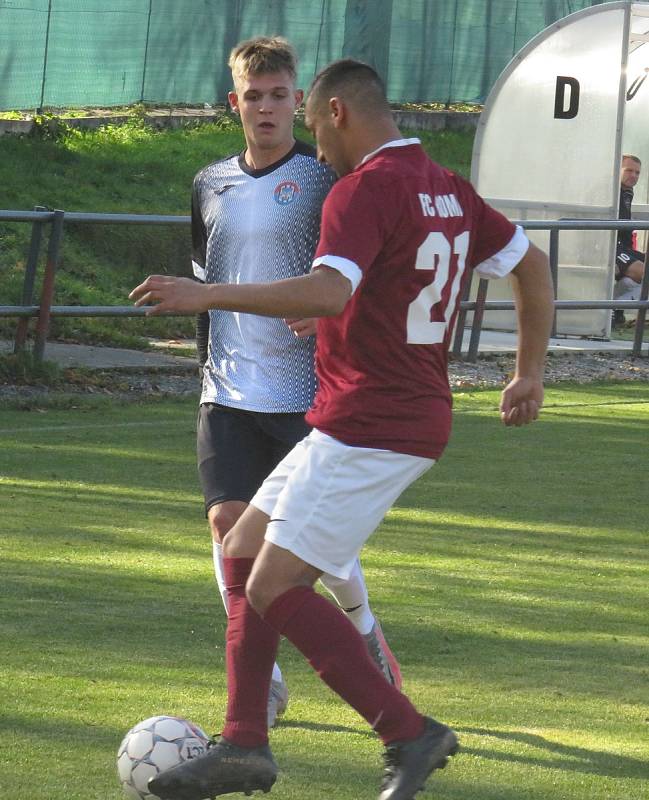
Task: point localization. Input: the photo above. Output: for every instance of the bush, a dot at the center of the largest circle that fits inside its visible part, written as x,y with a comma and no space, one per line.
24,369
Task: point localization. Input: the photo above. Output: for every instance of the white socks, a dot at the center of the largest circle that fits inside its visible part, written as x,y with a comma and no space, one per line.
351,595
217,558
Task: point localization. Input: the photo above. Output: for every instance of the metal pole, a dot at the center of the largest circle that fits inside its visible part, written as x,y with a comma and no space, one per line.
45,54
553,256
461,320
317,49
642,312
514,48
451,76
478,314
47,292
146,51
30,278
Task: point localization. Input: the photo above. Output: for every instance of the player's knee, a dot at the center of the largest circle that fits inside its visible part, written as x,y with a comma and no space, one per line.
635,271
222,518
260,593
268,582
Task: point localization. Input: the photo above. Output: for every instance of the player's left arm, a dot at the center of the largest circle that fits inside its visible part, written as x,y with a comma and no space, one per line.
302,328
534,298
322,293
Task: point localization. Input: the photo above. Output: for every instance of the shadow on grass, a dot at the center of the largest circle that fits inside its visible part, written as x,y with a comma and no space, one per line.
537,479
551,473
98,621
60,730
323,727
571,759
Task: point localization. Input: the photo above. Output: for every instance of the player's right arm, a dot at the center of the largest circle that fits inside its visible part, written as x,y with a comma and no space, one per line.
322,293
534,298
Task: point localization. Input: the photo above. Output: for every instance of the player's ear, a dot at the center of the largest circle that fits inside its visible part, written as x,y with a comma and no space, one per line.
337,111
233,100
299,98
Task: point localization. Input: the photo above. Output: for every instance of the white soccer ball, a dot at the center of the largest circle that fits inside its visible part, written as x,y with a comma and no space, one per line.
152,746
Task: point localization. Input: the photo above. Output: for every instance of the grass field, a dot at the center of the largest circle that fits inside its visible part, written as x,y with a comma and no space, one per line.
512,581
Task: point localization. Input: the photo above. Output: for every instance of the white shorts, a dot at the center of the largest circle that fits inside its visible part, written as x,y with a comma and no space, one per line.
325,498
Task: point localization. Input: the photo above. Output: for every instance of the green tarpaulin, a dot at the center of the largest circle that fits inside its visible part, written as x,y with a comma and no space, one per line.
74,53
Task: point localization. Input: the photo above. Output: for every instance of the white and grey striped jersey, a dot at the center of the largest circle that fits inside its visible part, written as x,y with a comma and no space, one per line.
257,226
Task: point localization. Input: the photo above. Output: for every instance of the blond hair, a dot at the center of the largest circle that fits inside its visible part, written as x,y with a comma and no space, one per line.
263,55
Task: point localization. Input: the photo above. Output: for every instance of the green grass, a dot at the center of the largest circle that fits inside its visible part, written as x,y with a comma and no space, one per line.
511,581
132,169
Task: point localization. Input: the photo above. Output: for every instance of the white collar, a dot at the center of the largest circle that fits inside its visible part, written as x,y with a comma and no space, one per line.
393,143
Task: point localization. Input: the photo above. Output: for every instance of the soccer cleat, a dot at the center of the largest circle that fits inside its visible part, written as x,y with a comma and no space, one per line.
223,769
382,655
408,764
277,701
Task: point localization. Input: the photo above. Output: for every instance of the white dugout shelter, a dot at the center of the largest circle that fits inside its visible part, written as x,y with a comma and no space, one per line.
550,141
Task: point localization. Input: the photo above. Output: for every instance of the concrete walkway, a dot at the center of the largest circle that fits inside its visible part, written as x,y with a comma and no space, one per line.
78,355
501,342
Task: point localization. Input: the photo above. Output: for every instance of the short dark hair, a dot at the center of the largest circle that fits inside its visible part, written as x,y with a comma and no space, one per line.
353,80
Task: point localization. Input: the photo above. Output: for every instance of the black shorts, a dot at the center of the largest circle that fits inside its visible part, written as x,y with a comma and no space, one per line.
623,257
238,449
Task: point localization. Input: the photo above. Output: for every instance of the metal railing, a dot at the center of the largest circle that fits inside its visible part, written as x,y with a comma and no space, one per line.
481,304
44,311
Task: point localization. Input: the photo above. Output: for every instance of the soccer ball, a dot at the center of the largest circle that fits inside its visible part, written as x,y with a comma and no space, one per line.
152,746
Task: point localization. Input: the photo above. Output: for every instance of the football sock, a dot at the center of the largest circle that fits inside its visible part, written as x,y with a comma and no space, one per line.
337,652
351,596
277,673
217,556
250,648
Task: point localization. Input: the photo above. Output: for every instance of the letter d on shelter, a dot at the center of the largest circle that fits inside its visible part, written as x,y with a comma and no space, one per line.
560,109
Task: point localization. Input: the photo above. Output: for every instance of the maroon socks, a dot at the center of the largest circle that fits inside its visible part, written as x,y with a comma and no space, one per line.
250,649
337,652
328,640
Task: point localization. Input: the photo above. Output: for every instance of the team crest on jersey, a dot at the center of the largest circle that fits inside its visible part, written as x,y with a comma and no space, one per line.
285,192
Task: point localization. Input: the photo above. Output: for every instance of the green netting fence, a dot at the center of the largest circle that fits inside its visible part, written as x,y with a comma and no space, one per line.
76,53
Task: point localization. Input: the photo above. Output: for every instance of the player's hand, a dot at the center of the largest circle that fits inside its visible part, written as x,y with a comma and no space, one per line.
521,401
166,294
303,327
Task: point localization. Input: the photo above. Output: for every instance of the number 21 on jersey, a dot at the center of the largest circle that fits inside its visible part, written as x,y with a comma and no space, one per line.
421,328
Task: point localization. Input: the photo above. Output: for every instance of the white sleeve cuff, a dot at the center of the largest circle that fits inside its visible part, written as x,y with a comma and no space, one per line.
199,272
343,265
503,262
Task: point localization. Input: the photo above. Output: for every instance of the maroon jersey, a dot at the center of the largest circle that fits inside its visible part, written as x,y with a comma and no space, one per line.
406,232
